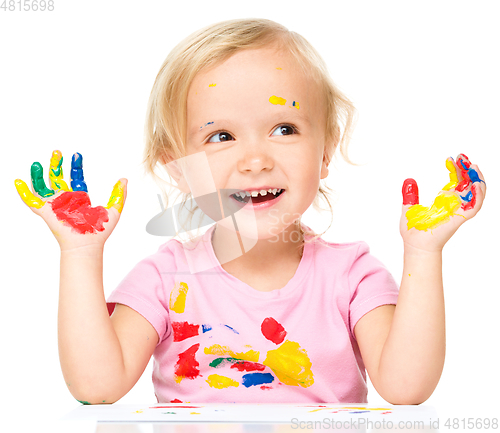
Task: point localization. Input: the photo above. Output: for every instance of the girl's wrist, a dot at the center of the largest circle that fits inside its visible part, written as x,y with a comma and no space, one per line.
412,251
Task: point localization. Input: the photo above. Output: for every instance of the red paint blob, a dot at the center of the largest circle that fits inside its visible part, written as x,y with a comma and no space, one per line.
175,400
272,330
248,366
410,192
462,161
186,365
266,387
73,208
183,330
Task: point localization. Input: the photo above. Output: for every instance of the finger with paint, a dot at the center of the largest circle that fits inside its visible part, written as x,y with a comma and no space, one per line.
56,176
37,181
27,196
77,181
117,198
448,201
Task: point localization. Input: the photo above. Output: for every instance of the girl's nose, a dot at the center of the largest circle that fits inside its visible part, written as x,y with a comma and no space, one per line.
255,157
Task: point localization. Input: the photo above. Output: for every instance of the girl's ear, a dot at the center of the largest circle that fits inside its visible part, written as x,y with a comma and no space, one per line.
176,173
324,165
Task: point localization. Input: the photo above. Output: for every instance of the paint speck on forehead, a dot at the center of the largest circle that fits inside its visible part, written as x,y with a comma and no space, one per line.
212,85
276,100
206,124
279,68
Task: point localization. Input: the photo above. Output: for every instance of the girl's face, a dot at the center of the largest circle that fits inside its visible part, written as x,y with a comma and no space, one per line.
260,122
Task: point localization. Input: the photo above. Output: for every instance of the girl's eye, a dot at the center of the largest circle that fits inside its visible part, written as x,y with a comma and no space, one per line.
220,137
284,130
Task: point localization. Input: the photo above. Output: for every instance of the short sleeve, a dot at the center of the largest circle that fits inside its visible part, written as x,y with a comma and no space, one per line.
143,291
371,285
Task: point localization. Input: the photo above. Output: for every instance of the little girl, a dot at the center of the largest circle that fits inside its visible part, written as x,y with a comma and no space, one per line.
258,309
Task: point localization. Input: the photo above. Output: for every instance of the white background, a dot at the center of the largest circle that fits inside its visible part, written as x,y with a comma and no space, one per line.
424,77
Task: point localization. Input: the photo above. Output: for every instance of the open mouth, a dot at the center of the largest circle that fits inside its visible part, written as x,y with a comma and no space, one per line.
259,198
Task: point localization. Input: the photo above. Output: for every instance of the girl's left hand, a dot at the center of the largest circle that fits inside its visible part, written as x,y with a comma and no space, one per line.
429,229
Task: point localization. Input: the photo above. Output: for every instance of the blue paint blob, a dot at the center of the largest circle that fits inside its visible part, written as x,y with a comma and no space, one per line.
77,182
254,379
232,329
468,197
360,411
463,165
206,328
474,177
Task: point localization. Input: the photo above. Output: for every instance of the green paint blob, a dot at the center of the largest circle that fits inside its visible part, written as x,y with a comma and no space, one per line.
83,402
38,182
57,171
219,362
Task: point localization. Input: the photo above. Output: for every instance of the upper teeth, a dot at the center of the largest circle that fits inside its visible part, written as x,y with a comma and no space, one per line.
244,194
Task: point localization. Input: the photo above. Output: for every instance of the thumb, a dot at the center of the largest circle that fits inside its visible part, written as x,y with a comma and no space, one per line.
118,195
410,192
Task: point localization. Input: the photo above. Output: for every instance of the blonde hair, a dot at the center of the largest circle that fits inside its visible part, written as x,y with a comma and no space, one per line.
166,119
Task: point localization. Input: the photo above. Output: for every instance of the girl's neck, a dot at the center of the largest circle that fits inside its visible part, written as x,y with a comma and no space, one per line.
285,248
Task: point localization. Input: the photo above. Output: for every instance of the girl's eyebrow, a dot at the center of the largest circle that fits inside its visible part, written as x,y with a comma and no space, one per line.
280,118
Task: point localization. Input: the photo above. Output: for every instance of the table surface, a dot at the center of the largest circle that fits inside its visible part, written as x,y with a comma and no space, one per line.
187,417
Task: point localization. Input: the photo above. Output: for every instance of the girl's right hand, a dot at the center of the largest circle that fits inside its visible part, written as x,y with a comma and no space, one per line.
67,210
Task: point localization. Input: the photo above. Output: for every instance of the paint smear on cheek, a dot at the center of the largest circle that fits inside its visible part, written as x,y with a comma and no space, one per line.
73,209
187,365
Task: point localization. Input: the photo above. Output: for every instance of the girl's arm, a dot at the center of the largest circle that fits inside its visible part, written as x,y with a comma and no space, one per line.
403,346
101,357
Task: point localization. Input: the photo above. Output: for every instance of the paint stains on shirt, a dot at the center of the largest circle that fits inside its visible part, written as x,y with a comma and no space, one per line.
255,379
220,382
291,364
177,300
272,330
217,349
183,330
187,366
73,209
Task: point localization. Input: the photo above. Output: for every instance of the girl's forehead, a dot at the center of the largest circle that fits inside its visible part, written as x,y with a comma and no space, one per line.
252,67
250,80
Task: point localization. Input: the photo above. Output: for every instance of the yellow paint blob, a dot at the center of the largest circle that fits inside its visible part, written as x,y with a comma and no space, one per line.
177,300
291,364
423,218
212,85
116,199
219,382
279,68
217,349
56,176
453,176
27,196
277,100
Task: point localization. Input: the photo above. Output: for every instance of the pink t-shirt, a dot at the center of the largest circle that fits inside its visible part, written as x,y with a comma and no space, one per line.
220,340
